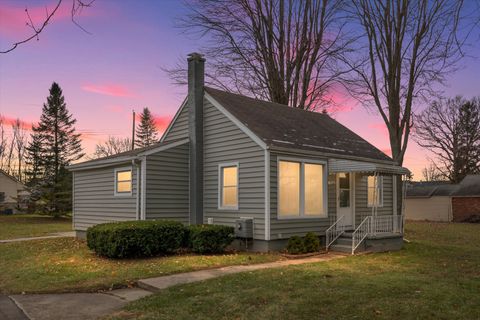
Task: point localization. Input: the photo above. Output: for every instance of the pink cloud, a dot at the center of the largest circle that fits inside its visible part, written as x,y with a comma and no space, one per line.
13,17
162,122
109,90
9,121
116,109
380,127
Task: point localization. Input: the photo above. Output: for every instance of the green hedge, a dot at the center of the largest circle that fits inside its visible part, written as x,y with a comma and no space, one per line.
297,245
136,238
209,238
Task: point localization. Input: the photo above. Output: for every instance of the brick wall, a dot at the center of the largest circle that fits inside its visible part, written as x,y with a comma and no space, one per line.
465,207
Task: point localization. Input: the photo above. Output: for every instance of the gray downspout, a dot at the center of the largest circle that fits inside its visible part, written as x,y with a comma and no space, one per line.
196,71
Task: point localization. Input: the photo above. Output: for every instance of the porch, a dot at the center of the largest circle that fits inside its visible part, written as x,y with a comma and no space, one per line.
369,207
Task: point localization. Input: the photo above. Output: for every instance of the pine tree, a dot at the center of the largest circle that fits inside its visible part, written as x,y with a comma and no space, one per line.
58,145
147,133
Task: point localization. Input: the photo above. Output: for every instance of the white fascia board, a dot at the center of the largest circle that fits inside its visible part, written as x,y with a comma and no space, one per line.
237,122
170,125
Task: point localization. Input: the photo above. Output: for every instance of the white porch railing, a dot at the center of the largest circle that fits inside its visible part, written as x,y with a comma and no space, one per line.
334,231
386,224
362,231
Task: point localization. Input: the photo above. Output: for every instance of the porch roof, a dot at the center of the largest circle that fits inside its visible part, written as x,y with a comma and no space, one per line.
340,165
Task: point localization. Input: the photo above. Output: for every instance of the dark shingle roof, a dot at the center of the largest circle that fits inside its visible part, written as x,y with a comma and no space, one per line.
468,187
281,126
430,189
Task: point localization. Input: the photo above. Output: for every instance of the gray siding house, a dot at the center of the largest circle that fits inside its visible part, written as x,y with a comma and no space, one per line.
227,158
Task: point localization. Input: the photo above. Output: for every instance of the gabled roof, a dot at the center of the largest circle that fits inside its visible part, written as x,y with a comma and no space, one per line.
127,155
285,127
468,187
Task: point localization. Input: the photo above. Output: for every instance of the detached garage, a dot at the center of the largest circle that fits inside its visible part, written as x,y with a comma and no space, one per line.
443,201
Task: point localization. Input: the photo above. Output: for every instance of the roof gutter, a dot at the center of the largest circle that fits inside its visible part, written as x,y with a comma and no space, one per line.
329,155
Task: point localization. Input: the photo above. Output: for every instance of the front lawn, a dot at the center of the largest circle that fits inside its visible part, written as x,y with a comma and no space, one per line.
66,265
436,276
29,225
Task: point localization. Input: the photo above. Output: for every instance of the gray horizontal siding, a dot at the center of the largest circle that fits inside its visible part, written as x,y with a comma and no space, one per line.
94,200
361,197
167,184
286,228
225,142
179,128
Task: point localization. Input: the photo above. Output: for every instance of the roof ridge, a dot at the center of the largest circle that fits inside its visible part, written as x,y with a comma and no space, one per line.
269,102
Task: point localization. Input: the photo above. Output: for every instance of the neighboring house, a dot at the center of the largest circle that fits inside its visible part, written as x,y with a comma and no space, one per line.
11,191
226,157
443,201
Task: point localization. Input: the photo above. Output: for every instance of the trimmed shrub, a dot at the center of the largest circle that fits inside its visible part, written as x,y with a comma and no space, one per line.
311,242
209,238
295,245
135,238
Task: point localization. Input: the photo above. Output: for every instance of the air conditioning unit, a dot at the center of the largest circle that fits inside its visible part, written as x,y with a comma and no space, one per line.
244,228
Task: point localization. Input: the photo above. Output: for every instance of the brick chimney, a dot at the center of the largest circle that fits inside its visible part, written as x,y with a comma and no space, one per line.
196,75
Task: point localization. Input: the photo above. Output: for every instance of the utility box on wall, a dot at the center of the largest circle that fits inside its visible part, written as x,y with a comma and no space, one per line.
244,228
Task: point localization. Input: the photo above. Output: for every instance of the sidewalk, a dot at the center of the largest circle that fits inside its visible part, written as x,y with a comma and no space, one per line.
86,306
159,283
70,234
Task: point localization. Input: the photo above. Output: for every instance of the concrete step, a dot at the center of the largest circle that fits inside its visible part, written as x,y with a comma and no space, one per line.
341,248
344,241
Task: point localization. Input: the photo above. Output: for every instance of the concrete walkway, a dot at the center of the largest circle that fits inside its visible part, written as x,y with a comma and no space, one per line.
159,283
89,306
70,234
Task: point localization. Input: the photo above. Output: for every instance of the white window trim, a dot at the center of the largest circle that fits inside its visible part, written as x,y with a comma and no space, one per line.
379,187
220,185
122,194
302,162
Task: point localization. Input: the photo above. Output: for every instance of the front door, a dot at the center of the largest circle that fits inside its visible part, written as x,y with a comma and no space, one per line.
345,198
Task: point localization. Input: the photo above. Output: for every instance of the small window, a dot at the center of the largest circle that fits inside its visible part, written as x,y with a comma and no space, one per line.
123,182
375,191
228,186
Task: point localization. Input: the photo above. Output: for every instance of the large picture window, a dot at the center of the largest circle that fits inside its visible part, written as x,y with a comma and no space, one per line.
301,189
228,197
375,191
123,181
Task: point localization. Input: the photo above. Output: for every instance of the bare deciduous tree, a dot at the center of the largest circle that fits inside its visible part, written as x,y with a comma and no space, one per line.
111,147
20,139
283,51
408,48
76,9
451,131
431,173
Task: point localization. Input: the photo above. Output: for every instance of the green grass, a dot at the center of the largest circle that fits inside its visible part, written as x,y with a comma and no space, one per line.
436,276
66,265
28,225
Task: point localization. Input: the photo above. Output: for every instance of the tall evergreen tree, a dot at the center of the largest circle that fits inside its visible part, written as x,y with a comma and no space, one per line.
147,133
55,145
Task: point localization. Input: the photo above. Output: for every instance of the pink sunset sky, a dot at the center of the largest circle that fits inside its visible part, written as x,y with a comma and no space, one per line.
118,67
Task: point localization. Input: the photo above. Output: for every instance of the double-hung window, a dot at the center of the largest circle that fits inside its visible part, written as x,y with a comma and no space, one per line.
123,182
302,189
375,191
228,186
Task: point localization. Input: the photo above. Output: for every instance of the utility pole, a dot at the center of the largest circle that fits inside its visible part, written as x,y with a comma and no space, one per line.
133,130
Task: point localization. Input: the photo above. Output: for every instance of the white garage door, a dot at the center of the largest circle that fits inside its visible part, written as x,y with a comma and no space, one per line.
431,209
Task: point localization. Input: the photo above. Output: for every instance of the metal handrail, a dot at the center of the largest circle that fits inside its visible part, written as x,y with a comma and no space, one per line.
334,231
362,231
